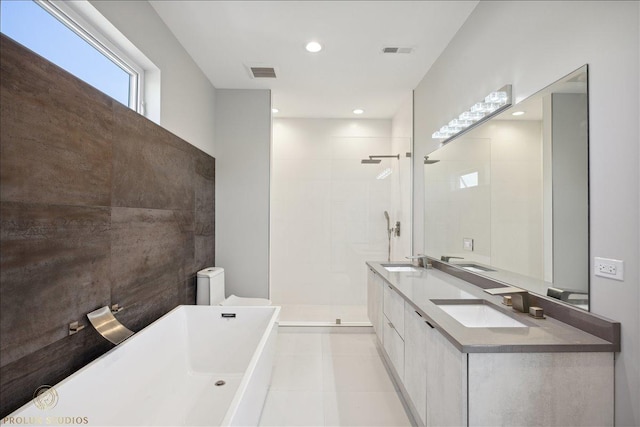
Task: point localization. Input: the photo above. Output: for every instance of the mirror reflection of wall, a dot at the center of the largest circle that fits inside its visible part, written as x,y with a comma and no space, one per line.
513,192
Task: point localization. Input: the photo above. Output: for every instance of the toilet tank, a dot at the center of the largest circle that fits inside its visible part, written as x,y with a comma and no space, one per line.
210,286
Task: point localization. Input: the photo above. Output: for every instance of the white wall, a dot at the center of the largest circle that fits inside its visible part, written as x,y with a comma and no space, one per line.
186,97
402,142
532,44
327,208
243,150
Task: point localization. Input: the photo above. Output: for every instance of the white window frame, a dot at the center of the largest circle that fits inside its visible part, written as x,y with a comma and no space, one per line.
64,13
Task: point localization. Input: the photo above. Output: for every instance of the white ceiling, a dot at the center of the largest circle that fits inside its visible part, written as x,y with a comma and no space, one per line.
224,37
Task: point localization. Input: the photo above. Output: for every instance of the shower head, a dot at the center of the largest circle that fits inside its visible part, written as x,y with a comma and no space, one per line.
429,162
370,161
385,156
386,215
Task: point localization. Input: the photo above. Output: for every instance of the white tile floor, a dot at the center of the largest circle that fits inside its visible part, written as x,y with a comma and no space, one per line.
335,378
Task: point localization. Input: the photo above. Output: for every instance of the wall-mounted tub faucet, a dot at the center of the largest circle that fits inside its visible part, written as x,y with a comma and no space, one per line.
107,325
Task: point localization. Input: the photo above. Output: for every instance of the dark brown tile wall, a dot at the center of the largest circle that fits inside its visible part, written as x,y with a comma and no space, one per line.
98,206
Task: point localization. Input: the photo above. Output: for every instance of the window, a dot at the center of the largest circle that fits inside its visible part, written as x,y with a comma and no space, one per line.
45,28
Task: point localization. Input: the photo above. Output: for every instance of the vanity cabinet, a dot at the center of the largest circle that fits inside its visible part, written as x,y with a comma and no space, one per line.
435,375
415,359
375,285
446,387
393,340
550,389
394,347
394,309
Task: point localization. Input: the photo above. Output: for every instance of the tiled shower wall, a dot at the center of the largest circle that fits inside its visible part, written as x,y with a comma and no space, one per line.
98,206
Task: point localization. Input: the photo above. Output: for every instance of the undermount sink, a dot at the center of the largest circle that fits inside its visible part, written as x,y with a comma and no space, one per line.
399,268
478,314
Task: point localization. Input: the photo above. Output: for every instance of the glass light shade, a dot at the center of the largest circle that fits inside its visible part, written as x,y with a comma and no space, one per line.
439,135
496,97
472,116
450,130
480,110
461,123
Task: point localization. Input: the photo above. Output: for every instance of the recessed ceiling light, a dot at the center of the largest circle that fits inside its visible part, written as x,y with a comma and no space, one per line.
517,113
313,47
358,111
275,110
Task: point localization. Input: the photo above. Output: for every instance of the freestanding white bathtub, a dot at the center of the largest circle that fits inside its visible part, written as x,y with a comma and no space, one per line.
166,374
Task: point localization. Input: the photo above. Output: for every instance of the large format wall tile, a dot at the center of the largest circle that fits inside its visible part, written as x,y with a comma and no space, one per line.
150,168
56,139
147,244
55,269
98,206
204,243
48,366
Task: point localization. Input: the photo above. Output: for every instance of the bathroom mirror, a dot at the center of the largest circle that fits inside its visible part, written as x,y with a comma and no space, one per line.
510,197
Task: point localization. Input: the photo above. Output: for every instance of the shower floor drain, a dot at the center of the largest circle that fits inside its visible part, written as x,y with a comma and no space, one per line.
219,383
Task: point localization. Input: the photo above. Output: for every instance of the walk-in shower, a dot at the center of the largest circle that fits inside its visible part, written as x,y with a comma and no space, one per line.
327,219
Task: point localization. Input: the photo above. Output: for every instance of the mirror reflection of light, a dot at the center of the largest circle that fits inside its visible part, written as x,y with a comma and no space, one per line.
469,180
517,113
385,173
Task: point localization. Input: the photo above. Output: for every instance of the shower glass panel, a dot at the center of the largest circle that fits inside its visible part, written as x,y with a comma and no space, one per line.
327,220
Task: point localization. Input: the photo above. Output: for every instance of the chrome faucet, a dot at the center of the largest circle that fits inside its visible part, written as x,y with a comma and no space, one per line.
519,297
446,258
423,261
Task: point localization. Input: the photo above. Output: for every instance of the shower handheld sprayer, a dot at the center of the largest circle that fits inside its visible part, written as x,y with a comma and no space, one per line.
395,231
389,230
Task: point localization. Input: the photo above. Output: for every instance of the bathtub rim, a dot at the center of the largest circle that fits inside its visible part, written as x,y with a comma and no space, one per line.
253,363
273,322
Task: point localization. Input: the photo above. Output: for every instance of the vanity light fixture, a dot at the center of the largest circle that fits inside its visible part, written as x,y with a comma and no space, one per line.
358,111
313,47
517,113
275,110
492,104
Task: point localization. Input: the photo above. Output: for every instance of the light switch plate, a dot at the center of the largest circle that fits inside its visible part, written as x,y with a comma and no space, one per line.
467,244
609,268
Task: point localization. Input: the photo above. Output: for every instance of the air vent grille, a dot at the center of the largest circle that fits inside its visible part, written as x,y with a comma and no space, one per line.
397,50
263,72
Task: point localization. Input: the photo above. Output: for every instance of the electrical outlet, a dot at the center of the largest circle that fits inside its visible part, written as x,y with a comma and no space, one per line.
609,268
467,244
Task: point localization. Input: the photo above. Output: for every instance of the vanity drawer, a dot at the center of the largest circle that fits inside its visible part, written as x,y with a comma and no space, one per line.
394,347
393,308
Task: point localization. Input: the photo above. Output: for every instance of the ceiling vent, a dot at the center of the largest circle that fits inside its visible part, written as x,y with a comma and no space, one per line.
263,72
397,50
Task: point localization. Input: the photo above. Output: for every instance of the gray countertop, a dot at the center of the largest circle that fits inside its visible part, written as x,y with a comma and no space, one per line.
420,287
